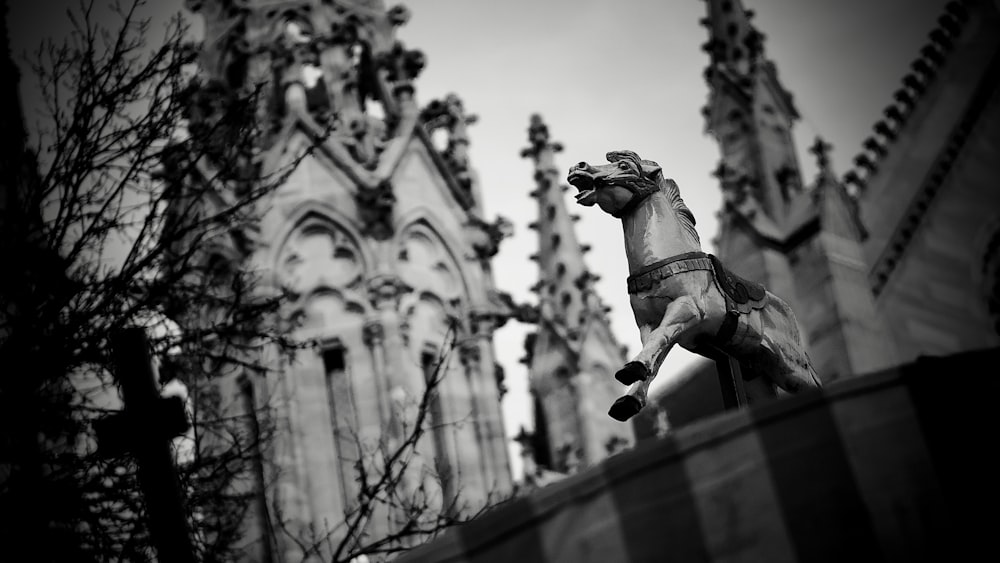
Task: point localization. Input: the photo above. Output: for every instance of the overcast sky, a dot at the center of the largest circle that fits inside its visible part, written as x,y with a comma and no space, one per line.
628,75
625,75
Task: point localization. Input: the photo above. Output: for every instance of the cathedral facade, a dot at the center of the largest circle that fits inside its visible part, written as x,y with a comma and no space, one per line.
379,239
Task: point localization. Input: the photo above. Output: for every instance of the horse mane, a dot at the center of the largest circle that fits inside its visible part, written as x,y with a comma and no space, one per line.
653,173
677,203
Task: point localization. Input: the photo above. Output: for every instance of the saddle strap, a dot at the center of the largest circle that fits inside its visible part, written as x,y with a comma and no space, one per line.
649,275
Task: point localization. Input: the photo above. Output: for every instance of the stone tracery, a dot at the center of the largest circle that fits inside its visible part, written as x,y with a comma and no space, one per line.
322,267
426,265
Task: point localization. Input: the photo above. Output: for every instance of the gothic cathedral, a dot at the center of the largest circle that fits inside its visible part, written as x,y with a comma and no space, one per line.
379,238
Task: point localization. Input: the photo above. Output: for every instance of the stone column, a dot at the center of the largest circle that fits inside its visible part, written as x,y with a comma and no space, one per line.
373,335
384,292
481,462
491,427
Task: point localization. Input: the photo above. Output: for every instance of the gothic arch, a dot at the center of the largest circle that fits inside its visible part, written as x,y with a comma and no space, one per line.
315,211
430,319
427,261
323,264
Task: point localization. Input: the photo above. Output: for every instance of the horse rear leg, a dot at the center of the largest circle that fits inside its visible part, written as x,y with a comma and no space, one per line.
790,367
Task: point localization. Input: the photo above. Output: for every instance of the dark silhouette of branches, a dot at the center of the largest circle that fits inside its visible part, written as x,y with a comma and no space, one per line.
132,202
400,501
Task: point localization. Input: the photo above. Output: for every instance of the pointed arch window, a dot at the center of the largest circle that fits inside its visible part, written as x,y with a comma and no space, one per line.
431,366
343,417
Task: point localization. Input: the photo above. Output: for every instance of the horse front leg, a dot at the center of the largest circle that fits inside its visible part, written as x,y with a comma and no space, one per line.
680,315
636,370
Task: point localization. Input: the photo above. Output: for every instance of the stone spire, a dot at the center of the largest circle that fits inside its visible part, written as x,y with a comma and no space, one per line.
733,40
573,354
802,243
564,284
847,336
750,114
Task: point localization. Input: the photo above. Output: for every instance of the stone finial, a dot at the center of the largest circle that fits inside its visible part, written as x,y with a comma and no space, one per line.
449,113
526,440
398,15
722,171
538,137
821,149
488,236
402,65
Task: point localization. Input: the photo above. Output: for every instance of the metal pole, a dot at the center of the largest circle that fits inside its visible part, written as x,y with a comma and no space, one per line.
157,474
731,383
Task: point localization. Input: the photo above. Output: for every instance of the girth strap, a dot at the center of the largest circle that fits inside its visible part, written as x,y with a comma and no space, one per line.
649,275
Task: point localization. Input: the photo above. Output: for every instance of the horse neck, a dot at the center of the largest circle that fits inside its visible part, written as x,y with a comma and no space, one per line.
654,231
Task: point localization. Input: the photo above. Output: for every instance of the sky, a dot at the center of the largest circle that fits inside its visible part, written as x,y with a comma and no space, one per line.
624,75
628,75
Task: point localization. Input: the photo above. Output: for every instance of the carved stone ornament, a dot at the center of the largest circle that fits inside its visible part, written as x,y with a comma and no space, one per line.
469,354
486,237
500,377
384,291
321,66
538,137
424,262
373,334
485,322
521,312
449,114
702,307
375,206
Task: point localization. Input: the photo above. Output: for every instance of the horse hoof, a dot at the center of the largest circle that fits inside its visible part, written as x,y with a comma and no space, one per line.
632,372
625,408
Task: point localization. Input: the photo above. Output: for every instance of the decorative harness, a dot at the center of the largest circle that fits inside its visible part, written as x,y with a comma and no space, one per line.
741,295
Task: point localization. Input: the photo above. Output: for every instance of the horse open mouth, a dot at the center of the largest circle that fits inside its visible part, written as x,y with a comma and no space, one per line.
588,197
584,182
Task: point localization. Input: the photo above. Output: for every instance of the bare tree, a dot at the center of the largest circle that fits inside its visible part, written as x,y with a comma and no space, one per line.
400,499
131,203
134,202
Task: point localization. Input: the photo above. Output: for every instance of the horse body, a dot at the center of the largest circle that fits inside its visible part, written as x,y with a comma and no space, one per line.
679,295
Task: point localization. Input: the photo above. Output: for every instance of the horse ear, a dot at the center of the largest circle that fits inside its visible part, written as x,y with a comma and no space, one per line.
651,169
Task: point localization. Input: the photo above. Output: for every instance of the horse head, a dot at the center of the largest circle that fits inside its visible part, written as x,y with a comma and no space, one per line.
618,187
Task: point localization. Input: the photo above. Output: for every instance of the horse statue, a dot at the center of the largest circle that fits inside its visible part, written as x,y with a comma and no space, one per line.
681,295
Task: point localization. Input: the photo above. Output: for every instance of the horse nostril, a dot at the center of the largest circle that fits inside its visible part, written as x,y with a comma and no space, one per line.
582,165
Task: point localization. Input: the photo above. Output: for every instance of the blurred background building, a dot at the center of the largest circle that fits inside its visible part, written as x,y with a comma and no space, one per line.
893,259
381,240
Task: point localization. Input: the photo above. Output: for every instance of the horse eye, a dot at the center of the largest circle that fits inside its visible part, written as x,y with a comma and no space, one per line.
623,165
